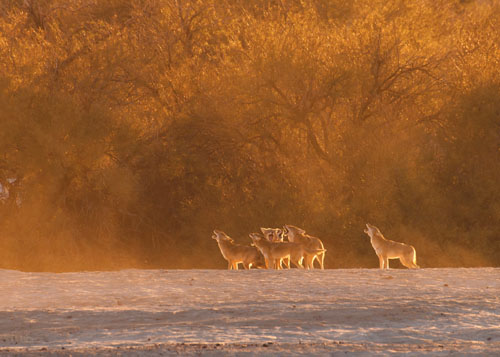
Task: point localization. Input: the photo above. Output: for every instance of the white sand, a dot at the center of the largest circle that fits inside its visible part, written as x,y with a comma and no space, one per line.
289,312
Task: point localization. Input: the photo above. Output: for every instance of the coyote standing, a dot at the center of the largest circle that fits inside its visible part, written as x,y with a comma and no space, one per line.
298,235
387,249
275,235
236,253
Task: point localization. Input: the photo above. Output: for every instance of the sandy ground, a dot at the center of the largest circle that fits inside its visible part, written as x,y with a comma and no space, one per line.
241,313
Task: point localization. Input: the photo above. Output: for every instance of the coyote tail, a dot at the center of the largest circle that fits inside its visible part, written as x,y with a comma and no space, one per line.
314,251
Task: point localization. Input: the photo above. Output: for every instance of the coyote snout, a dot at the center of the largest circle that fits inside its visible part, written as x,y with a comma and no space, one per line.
387,249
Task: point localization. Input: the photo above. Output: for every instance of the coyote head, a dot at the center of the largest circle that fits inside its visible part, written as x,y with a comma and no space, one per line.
220,235
292,231
273,234
255,237
372,230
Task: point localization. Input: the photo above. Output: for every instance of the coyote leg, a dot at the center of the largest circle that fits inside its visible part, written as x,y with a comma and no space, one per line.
322,261
298,263
313,259
381,262
309,261
408,263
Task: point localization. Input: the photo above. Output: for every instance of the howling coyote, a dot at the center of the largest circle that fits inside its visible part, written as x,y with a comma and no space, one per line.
387,249
236,253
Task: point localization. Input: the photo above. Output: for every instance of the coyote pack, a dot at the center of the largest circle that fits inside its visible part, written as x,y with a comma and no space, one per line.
275,252
387,249
270,250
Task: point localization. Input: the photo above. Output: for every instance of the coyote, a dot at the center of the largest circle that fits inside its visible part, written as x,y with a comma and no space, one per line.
273,234
274,252
236,253
387,249
298,235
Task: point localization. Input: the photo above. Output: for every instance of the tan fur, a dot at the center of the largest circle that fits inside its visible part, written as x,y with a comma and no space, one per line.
275,263
298,235
387,249
273,252
273,234
236,253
